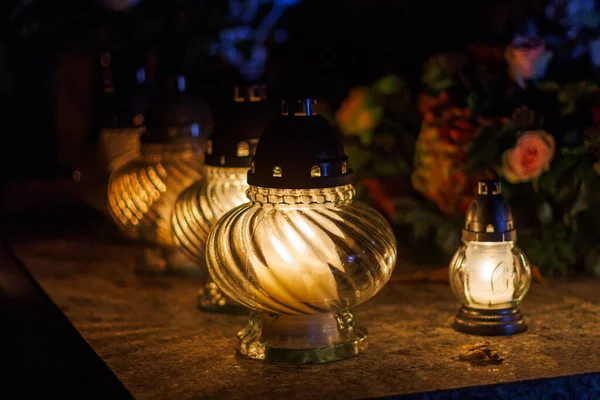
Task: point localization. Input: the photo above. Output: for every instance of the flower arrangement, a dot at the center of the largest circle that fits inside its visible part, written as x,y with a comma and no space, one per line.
528,113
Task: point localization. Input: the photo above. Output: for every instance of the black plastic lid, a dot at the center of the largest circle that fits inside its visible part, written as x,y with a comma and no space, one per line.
299,150
489,217
177,115
236,133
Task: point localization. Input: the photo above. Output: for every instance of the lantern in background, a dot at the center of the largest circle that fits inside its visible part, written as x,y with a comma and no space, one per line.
118,139
228,157
489,274
142,193
302,253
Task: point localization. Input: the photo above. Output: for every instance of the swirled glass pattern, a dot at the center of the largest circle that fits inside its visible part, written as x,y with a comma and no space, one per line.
116,148
142,193
301,251
203,203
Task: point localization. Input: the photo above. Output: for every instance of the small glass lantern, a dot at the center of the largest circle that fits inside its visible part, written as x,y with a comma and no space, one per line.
142,193
489,274
223,187
303,252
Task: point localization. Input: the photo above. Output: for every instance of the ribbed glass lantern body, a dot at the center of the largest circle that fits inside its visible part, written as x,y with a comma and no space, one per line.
490,275
301,258
117,147
203,203
196,211
142,195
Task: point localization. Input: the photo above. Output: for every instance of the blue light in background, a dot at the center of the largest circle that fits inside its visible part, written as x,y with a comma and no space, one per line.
181,83
141,75
195,130
244,16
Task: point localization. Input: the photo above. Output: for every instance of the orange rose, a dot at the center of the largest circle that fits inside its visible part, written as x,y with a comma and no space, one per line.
355,116
455,193
447,185
440,158
529,158
458,131
429,105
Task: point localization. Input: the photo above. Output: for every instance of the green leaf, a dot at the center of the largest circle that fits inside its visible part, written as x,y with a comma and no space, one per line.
406,203
570,94
362,193
548,86
482,151
427,223
385,141
447,238
548,182
390,166
566,253
389,84
359,156
366,137
579,205
585,230
435,75
592,260
472,101
549,248
423,222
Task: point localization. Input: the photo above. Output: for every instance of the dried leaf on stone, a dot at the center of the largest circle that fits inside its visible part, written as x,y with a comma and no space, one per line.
473,347
480,354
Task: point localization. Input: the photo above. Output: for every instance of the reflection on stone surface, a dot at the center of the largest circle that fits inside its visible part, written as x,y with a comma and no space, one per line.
150,334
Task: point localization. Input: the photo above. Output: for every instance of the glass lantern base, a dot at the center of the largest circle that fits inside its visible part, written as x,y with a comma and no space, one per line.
158,260
501,322
302,339
211,298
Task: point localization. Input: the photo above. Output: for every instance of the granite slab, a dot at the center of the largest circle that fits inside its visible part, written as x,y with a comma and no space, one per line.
150,333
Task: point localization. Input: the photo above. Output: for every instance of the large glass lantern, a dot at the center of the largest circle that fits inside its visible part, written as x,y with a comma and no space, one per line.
303,252
489,274
228,157
142,193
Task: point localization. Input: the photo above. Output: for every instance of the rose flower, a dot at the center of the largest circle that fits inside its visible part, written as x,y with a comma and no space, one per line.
530,157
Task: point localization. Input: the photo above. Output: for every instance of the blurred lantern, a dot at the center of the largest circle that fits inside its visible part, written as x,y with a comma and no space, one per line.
122,122
228,157
489,273
142,193
302,252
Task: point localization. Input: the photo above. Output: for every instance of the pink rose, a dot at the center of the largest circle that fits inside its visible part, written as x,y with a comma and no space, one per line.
529,158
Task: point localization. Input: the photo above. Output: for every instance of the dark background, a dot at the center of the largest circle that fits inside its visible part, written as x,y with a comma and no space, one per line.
332,46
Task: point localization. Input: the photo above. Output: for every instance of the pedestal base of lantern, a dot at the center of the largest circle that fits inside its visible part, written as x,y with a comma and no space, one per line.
502,322
211,298
301,339
158,260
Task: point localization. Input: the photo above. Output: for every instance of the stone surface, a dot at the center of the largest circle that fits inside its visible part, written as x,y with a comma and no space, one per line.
150,333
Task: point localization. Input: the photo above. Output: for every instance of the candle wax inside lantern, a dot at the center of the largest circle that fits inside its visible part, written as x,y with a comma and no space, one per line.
490,273
298,261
